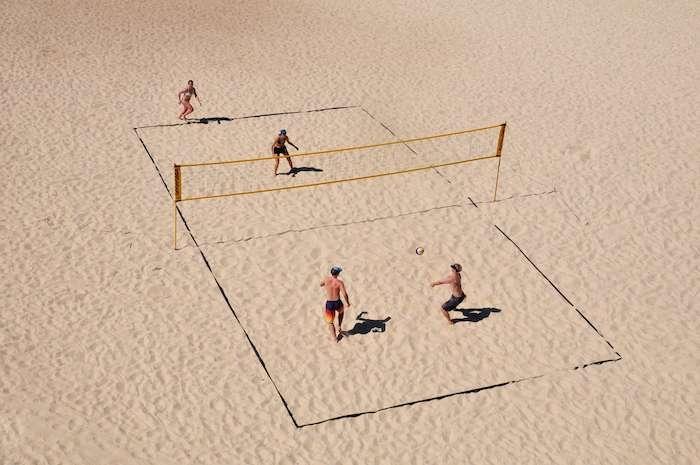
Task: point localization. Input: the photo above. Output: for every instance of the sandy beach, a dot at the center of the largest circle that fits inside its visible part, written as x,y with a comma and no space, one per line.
577,342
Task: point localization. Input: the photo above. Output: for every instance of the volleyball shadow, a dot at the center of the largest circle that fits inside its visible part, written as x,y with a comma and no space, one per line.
474,315
366,325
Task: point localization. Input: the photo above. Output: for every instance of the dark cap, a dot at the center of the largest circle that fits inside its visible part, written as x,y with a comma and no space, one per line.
335,270
457,267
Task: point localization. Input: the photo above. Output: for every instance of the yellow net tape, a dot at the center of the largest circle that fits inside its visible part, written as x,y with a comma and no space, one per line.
344,149
335,181
323,183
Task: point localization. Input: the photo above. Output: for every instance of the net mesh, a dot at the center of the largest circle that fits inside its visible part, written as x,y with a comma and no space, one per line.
255,174
403,176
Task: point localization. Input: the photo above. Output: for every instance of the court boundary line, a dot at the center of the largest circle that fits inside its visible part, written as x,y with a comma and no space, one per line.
405,144
227,119
403,404
221,289
333,225
559,291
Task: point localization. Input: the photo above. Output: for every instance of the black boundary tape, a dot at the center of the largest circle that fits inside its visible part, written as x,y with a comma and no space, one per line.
223,293
368,412
236,118
558,291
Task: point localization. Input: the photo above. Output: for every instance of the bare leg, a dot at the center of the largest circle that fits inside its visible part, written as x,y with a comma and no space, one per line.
333,335
291,167
277,164
188,110
340,320
447,315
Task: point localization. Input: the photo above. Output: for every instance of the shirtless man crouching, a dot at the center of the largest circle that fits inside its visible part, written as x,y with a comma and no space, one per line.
455,282
334,287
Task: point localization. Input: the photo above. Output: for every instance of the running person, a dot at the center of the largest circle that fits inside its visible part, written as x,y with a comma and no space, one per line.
183,98
279,148
455,282
334,287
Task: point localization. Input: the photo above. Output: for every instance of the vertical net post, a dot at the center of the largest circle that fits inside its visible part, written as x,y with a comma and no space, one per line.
174,225
178,196
178,183
499,149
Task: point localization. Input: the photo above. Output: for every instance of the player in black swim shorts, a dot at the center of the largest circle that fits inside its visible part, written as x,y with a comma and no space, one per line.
453,302
457,297
279,148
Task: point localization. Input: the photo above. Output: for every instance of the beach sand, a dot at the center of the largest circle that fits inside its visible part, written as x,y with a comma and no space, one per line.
580,335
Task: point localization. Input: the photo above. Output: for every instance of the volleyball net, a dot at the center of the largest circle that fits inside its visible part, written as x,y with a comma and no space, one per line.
251,175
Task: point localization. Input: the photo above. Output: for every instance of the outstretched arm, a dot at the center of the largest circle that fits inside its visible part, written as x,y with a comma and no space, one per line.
292,143
448,280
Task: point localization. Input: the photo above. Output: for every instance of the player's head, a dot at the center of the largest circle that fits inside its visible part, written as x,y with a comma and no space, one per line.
283,132
190,82
456,267
335,270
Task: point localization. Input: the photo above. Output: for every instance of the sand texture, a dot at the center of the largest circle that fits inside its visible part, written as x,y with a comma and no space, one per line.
577,342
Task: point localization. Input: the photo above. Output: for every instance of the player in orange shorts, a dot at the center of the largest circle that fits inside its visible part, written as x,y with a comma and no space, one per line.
334,286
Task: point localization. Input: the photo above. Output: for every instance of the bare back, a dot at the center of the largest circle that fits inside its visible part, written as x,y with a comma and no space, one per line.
456,284
333,287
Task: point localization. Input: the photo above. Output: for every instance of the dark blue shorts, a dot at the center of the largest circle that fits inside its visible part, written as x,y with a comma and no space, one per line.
452,303
334,304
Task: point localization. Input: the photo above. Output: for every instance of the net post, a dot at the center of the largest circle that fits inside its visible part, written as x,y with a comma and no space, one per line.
178,183
499,149
501,135
174,224
178,197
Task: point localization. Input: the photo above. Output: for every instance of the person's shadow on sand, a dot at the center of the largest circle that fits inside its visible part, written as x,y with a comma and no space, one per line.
298,169
366,326
210,119
474,314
